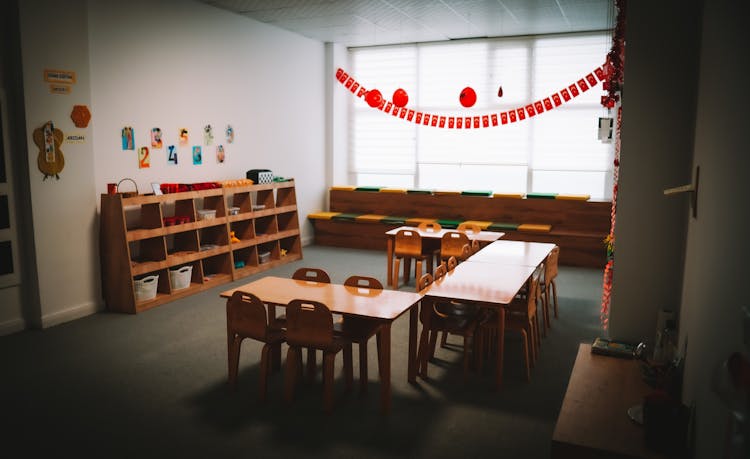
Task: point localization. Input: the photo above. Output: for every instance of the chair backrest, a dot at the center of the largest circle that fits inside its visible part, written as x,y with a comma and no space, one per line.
408,243
246,315
312,274
441,271
425,281
363,282
452,263
475,246
534,295
472,228
309,323
430,227
455,244
550,264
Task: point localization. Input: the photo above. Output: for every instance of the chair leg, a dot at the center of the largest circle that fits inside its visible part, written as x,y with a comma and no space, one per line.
234,361
312,366
293,365
348,370
526,354
433,342
407,270
479,350
377,342
264,365
328,361
553,287
363,368
418,269
394,281
276,356
466,356
422,352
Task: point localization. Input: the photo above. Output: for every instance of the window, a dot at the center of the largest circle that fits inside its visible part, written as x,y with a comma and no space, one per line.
556,151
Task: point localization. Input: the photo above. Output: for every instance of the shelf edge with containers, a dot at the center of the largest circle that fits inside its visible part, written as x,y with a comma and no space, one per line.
157,248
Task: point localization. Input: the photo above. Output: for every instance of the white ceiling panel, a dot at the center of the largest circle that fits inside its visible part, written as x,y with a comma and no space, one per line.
379,22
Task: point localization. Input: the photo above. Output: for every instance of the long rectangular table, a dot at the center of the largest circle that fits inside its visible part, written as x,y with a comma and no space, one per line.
383,305
488,285
483,237
514,253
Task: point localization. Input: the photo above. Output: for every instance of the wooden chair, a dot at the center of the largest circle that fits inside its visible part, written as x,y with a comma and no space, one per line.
311,275
408,246
455,244
457,309
435,320
521,316
359,330
440,271
310,325
431,246
247,318
451,263
548,287
470,228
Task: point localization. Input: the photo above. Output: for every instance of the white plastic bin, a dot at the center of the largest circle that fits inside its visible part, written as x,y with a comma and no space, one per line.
264,257
206,214
145,288
179,278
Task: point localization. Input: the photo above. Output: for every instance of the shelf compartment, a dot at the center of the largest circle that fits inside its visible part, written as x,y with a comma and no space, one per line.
148,250
266,226
217,267
287,221
185,242
290,246
248,256
271,248
265,198
145,217
213,237
243,229
285,197
212,203
243,200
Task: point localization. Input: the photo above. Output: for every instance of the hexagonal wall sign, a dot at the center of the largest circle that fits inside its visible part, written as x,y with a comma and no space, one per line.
80,116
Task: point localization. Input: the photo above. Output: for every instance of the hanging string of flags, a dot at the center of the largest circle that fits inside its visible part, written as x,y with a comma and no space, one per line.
467,98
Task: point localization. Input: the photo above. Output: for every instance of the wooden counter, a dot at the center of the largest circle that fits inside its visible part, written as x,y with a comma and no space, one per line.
593,420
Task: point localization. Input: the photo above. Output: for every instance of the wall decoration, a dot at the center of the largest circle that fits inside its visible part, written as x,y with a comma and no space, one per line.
50,159
59,76
62,89
75,138
208,135
80,116
144,158
400,98
183,136
156,141
229,134
197,155
220,154
468,98
127,138
172,155
499,91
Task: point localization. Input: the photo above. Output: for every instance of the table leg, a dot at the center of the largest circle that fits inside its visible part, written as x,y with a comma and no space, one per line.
389,254
500,347
385,368
412,371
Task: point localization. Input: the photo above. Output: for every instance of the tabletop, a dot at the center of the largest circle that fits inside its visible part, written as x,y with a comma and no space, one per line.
343,299
481,282
514,253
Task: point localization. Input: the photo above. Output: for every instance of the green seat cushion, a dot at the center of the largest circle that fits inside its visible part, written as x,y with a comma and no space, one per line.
368,188
391,220
476,193
499,226
449,224
416,191
345,217
541,195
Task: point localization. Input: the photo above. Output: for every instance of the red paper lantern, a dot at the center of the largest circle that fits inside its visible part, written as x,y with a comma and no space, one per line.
499,91
468,97
400,98
373,98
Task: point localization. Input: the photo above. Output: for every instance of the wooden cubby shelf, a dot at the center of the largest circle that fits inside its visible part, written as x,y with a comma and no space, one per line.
136,242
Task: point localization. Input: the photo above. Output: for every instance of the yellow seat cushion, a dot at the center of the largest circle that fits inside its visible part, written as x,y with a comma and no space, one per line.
322,215
370,218
508,195
574,197
480,223
393,190
343,187
417,220
534,228
445,192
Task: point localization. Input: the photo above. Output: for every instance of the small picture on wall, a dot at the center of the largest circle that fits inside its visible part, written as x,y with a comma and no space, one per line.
208,134
220,154
183,136
172,155
230,134
144,159
127,138
156,138
197,155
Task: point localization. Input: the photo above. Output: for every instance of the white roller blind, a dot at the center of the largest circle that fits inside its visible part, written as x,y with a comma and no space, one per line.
556,151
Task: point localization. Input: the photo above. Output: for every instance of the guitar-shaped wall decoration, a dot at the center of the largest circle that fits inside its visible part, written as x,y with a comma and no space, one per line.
50,159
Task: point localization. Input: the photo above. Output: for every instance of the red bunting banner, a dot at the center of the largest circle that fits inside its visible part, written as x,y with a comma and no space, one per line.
600,74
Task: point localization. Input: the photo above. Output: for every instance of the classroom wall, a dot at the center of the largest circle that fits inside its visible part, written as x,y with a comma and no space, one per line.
716,257
167,64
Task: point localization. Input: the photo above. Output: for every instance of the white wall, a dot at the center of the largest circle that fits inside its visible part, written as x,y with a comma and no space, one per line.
173,64
167,64
717,255
54,36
